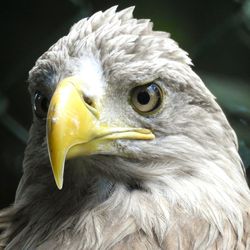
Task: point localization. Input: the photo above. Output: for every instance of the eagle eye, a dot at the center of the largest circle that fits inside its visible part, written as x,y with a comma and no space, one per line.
41,105
146,99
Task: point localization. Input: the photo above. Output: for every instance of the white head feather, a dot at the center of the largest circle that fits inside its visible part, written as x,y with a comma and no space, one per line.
191,169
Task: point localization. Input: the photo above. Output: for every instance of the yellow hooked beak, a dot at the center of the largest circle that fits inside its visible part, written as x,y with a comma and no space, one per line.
74,128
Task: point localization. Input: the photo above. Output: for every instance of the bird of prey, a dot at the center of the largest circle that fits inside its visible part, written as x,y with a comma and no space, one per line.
128,149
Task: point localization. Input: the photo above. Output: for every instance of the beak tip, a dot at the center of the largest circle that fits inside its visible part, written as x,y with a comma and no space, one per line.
59,185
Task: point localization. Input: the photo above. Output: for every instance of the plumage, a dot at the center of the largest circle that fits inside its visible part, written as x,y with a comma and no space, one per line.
183,189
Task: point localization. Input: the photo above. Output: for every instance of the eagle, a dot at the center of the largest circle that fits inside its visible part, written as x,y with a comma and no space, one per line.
127,150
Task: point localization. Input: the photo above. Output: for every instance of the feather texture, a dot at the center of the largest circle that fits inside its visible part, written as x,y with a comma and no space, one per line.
184,190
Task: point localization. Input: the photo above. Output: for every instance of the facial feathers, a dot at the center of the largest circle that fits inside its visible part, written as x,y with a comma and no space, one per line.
184,189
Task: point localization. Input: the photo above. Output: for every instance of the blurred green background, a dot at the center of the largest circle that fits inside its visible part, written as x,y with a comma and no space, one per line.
215,33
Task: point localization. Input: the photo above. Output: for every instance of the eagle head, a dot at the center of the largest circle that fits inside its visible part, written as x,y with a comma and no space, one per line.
128,131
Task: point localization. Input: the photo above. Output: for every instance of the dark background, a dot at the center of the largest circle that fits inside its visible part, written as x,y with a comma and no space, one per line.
215,33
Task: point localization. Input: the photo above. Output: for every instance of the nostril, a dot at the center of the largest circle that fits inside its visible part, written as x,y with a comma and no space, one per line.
88,100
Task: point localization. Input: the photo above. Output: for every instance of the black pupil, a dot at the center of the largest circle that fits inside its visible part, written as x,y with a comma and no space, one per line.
44,104
143,97
41,105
